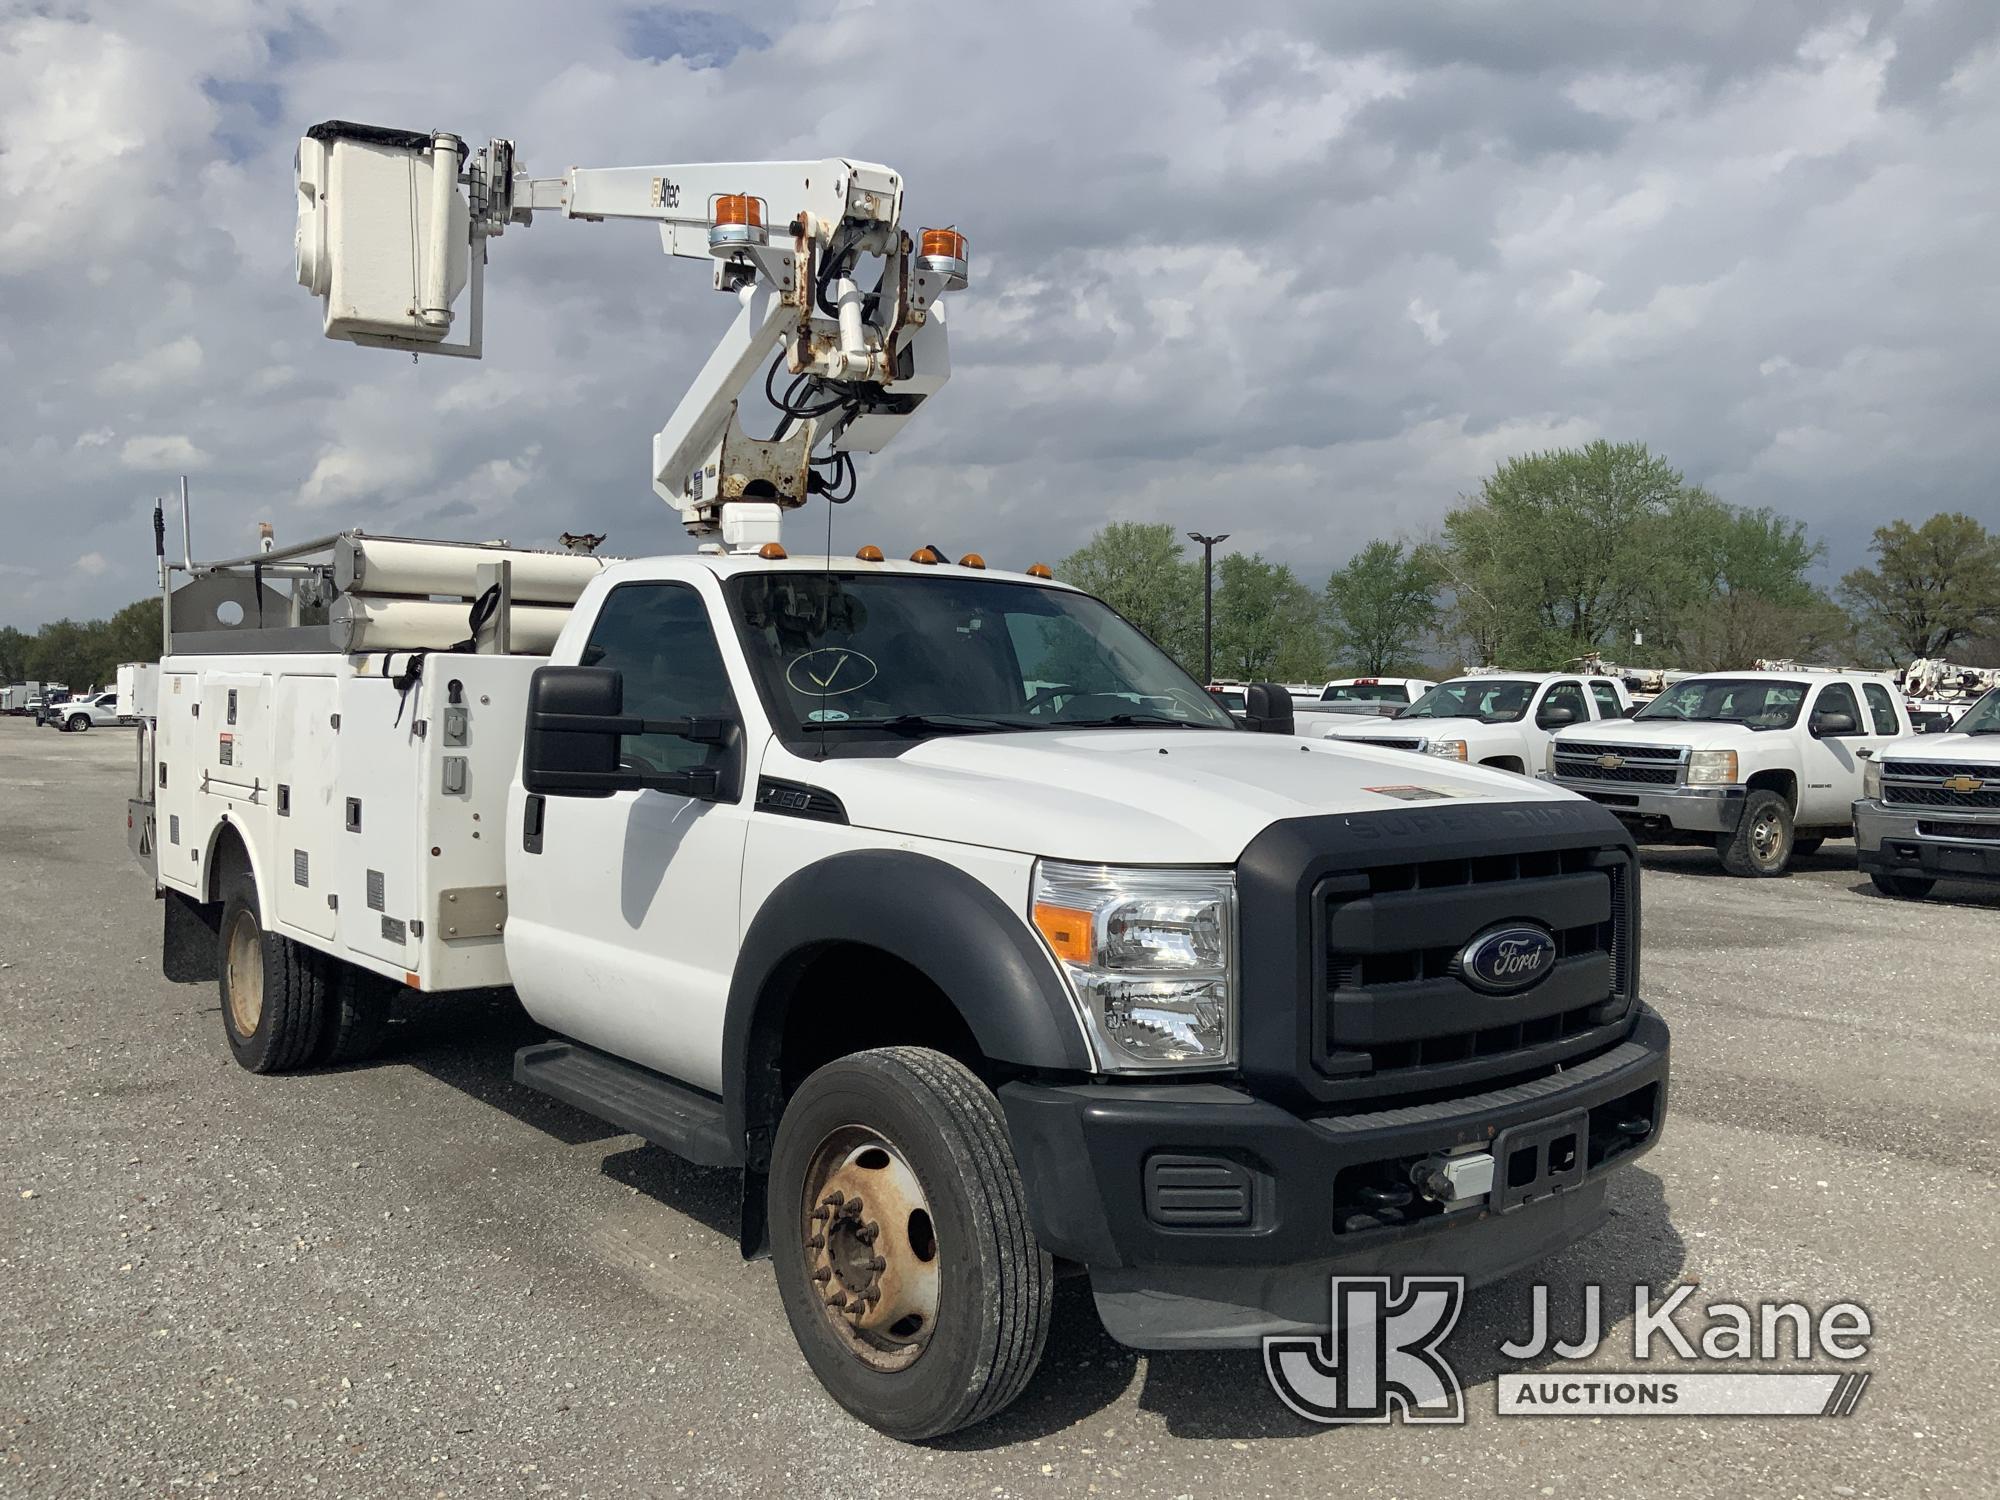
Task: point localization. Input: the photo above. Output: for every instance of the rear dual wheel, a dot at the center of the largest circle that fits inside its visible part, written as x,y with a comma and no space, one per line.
899,1232
286,1006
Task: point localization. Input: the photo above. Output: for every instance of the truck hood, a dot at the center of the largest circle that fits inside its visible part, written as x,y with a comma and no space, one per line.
1696,734
1134,796
1960,749
1473,731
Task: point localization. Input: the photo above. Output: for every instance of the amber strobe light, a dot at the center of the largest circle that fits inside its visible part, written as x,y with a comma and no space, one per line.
735,219
1067,929
942,253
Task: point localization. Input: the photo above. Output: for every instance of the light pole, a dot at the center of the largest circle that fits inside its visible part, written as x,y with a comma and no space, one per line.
1208,546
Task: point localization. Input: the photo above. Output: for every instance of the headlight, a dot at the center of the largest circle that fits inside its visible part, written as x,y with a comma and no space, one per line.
1711,767
1151,953
1449,749
1871,779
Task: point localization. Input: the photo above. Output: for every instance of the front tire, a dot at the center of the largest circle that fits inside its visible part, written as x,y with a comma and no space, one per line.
899,1233
1904,887
273,989
1762,843
77,723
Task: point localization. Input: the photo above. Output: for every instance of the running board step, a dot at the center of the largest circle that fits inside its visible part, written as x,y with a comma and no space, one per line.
683,1120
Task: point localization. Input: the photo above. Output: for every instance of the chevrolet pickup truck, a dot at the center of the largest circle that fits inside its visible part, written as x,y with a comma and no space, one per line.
944,908
1501,720
1930,807
1764,765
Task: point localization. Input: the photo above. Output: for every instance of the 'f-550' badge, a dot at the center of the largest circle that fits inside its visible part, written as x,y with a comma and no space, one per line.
1502,960
1962,783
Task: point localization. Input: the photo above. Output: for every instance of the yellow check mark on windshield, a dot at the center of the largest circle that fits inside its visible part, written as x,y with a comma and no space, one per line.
827,681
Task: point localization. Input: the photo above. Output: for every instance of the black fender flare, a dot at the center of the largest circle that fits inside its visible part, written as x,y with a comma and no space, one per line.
930,915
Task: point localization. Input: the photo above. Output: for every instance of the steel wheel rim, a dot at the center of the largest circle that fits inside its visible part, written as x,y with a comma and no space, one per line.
1766,838
246,974
869,1241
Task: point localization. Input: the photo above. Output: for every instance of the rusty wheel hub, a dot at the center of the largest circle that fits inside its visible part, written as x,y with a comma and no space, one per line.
246,974
871,1248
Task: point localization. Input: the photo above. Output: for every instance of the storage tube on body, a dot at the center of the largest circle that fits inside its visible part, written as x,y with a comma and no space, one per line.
365,623
391,567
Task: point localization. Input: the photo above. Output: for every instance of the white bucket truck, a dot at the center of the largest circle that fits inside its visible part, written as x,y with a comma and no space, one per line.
933,898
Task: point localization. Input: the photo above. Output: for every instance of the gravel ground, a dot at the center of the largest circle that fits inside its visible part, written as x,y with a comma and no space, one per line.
415,1278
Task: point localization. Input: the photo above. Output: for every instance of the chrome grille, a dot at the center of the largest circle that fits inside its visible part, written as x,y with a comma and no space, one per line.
1921,784
1642,765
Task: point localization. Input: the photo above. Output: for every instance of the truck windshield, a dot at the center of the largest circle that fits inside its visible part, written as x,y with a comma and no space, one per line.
1492,700
1365,692
1753,702
840,657
1983,717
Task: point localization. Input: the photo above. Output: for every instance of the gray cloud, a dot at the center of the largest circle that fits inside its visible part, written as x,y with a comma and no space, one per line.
1302,272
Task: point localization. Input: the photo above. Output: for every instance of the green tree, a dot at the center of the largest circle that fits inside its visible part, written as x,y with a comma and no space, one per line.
1563,549
14,646
1381,605
62,653
1932,586
1140,570
1266,623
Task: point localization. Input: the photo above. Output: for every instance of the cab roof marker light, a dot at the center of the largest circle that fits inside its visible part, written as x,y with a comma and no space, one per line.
972,560
1040,570
870,553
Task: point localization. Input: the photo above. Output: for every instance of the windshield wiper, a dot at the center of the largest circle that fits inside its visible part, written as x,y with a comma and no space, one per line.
1126,721
919,724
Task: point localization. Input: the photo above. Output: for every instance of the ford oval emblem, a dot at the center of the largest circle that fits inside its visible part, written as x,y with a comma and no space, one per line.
1502,960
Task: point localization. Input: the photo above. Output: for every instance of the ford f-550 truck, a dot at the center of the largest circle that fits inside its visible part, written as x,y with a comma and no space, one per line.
946,908
936,901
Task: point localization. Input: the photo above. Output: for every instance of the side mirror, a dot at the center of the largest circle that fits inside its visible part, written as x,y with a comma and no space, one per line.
1832,722
1554,715
575,721
1267,708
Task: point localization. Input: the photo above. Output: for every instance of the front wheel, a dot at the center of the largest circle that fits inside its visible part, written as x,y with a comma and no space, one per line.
1762,842
77,723
1907,887
899,1233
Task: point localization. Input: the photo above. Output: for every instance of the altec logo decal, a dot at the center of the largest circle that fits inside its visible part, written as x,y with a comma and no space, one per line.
1382,1356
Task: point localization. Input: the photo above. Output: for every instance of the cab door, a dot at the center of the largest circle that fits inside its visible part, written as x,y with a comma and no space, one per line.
1831,762
622,910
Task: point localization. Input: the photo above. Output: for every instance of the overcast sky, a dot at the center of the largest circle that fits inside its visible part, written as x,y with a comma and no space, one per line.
1298,271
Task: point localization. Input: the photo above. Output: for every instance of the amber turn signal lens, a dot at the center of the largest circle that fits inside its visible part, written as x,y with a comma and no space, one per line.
1067,929
972,560
870,554
1040,570
772,551
739,208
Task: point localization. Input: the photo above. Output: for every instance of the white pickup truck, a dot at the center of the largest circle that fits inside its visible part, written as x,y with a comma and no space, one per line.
79,714
1930,807
946,908
1498,720
1766,765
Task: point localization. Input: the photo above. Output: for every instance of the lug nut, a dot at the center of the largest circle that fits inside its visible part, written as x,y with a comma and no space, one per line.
816,1242
823,1273
838,1299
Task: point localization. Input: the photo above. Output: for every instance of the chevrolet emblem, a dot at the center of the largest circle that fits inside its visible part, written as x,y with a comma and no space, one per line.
1962,783
1610,762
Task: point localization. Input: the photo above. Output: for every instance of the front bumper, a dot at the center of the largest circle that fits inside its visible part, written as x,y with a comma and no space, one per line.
1892,839
1094,1158
1694,809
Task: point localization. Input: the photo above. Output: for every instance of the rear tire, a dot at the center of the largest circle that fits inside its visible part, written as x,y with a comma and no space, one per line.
1762,843
1904,887
357,1012
273,989
941,1240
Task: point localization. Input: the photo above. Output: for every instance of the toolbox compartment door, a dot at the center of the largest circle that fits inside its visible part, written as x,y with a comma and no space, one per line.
305,803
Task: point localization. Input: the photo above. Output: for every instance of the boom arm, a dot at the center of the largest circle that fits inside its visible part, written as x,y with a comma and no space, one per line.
388,241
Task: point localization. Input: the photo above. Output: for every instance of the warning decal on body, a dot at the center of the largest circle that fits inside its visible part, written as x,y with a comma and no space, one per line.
1419,793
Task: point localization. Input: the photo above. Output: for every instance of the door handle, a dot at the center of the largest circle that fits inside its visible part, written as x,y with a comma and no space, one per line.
531,823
